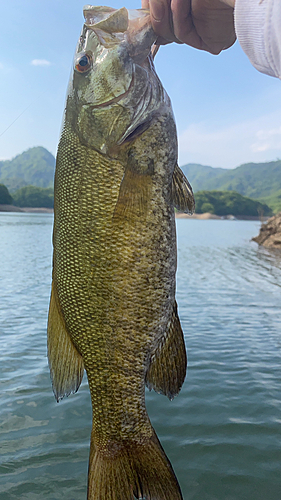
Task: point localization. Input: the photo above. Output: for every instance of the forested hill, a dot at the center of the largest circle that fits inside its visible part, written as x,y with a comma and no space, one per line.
259,181
33,167
255,180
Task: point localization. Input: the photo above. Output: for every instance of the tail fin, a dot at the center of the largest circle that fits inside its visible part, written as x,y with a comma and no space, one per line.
132,471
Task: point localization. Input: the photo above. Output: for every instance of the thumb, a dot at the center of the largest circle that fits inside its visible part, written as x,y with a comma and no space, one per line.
145,4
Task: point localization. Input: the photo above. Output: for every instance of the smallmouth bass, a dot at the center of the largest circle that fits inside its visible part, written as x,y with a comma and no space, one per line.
112,307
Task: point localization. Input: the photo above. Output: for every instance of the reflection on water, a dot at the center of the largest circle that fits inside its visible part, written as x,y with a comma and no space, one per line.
222,433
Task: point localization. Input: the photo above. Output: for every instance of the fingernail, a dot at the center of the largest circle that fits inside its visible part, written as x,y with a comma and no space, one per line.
157,10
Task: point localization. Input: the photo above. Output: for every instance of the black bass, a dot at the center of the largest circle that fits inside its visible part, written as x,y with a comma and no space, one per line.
112,307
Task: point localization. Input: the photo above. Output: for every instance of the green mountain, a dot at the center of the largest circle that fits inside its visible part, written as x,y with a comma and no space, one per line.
260,181
199,175
228,203
273,201
33,167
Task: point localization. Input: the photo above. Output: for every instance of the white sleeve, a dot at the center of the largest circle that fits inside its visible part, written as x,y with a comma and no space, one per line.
258,29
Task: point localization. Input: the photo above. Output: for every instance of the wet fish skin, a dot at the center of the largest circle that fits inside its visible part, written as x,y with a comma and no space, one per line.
112,307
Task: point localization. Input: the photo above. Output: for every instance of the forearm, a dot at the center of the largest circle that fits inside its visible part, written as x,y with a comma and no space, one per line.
258,28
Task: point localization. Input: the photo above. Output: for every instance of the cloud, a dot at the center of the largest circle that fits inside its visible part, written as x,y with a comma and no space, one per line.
254,140
267,139
40,62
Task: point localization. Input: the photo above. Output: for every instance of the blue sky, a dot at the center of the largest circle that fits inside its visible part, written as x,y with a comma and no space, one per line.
226,112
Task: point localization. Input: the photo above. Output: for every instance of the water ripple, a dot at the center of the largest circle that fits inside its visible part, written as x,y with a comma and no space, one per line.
222,433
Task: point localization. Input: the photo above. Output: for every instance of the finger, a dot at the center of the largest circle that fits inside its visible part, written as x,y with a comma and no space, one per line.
215,25
182,19
203,24
145,4
184,29
161,19
162,41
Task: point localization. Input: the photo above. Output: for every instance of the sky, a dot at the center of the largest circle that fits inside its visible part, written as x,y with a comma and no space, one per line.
227,113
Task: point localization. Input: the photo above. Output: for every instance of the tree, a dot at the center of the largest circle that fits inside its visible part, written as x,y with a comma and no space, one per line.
5,197
228,203
32,196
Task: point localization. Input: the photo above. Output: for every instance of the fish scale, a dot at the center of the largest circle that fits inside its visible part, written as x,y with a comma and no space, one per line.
112,307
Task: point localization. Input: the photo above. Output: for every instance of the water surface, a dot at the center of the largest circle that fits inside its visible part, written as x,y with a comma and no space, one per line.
222,433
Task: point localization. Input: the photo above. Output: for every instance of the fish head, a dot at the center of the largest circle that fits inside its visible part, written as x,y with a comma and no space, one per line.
114,91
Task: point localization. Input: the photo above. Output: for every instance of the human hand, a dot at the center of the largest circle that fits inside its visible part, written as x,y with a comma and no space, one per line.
203,24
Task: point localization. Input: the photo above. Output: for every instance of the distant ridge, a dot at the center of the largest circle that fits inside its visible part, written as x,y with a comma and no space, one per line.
255,180
259,181
32,167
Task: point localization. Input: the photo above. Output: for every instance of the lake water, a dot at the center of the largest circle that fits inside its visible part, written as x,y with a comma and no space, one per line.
222,433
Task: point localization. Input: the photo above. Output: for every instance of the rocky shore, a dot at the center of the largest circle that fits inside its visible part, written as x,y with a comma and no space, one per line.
208,216
270,233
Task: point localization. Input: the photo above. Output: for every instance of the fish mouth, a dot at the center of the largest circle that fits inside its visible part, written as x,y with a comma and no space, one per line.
113,26
106,18
115,20
131,30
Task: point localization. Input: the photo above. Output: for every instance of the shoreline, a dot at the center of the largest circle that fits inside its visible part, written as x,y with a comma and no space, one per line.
209,216
30,210
178,215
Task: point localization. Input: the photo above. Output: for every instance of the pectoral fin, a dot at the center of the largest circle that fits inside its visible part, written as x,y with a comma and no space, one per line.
167,370
134,196
65,362
182,193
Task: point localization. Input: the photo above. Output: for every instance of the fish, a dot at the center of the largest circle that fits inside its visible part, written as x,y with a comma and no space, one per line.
112,308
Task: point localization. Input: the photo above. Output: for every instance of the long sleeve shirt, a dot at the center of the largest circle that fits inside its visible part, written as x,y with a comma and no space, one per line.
258,29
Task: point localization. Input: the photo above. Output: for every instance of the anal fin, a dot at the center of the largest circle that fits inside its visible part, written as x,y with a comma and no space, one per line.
167,369
65,362
182,193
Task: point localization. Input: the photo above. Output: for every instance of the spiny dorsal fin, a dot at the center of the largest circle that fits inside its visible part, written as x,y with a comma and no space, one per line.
167,370
65,362
182,193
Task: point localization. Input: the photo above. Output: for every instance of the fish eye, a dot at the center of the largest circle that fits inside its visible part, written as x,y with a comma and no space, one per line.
83,63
